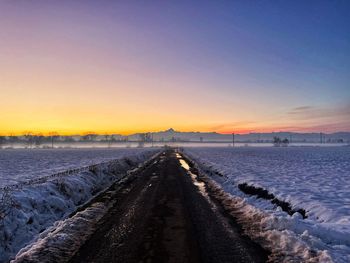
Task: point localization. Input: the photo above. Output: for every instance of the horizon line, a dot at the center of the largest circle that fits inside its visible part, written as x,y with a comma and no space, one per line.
63,134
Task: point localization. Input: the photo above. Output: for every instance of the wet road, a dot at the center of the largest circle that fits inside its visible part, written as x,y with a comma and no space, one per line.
164,214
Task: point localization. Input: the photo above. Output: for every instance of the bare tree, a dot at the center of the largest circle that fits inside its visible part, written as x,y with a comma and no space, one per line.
145,137
53,137
108,139
68,139
142,140
28,136
12,139
112,139
277,141
38,140
2,141
89,137
285,142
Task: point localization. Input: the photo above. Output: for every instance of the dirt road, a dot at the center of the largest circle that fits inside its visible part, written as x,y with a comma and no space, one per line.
165,215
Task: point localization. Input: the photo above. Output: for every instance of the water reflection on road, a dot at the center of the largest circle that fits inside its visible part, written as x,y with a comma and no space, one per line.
200,185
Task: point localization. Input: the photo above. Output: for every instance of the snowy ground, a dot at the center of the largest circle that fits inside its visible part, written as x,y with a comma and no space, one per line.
316,179
18,165
30,209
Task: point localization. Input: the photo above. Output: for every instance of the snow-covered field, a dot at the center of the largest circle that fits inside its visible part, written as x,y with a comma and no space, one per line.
18,165
316,179
29,209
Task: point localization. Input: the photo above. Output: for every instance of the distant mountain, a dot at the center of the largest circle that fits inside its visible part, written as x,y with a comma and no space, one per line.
172,135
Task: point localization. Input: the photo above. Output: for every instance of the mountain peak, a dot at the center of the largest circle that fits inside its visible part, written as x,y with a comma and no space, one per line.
170,130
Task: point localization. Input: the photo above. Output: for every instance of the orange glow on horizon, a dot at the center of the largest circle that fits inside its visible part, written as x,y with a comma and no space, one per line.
126,132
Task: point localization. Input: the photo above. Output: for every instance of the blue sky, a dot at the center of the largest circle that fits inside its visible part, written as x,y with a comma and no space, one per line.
191,65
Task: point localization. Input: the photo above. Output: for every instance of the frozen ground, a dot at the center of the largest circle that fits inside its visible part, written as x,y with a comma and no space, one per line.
18,165
316,179
30,209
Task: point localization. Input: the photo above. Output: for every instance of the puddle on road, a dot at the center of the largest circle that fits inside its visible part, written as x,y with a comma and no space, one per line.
184,164
200,185
202,189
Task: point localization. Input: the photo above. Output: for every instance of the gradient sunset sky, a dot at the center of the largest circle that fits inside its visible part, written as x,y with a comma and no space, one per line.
131,66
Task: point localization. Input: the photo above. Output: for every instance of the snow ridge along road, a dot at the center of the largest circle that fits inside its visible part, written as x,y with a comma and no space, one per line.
27,212
297,197
159,214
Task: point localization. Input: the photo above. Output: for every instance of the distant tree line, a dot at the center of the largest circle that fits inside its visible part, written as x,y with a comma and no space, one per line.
30,140
35,140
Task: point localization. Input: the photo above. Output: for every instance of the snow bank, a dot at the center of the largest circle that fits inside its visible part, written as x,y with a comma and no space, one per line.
30,209
60,242
313,179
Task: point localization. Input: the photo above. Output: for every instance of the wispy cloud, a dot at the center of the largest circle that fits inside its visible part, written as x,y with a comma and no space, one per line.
305,118
300,109
309,112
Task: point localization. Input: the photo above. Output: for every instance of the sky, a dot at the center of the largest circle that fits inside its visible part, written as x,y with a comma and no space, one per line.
132,66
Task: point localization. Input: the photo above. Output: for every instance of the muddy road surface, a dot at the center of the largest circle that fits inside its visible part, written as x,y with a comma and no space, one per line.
165,215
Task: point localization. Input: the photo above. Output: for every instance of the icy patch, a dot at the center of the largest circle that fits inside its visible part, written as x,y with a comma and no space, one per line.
314,179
